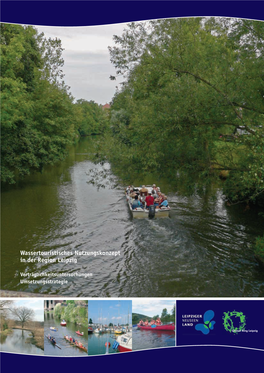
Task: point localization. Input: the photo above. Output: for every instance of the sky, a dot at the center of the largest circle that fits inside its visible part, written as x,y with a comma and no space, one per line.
110,311
37,305
152,307
87,65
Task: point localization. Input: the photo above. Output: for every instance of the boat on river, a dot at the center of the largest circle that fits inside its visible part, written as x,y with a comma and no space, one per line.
143,212
90,330
53,341
63,323
75,344
123,342
79,333
167,327
53,329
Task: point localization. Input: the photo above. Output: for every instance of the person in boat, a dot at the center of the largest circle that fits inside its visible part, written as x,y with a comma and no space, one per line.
152,322
141,322
149,200
154,187
70,339
73,339
136,203
154,194
158,321
146,323
143,193
164,203
158,200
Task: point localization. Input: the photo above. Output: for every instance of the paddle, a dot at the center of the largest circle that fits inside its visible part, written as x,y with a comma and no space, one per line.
153,326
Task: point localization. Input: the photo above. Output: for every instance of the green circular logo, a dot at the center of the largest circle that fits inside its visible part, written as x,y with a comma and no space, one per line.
234,321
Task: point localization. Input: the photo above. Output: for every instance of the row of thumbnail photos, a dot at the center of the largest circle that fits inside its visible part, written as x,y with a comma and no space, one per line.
81,327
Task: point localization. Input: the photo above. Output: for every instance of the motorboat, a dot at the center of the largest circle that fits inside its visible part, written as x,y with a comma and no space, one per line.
90,330
143,212
123,342
63,323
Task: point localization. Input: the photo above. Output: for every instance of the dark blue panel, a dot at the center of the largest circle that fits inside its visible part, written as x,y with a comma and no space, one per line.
84,13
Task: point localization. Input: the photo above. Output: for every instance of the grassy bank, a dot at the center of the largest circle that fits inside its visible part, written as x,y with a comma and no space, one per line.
6,332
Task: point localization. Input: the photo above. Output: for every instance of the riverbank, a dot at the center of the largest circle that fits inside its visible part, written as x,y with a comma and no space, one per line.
6,332
36,338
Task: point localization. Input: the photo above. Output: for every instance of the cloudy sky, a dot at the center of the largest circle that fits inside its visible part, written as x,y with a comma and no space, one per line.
37,305
106,311
151,307
87,65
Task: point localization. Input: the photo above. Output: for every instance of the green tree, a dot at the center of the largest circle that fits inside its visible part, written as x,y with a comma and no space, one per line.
187,81
93,120
37,112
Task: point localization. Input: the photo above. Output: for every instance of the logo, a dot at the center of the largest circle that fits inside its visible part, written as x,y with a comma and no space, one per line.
208,323
234,322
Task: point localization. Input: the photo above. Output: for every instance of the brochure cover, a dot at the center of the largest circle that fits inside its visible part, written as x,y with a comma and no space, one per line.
131,183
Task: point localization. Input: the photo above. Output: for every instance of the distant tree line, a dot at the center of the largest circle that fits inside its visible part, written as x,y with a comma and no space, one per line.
165,316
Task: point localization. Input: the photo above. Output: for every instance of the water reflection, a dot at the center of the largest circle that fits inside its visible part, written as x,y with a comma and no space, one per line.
203,249
19,342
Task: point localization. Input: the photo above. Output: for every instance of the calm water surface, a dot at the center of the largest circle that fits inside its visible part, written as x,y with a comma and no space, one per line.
96,343
18,342
148,339
65,348
204,249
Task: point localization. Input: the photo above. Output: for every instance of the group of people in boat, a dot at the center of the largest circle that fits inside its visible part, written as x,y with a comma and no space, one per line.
145,197
52,339
74,341
152,322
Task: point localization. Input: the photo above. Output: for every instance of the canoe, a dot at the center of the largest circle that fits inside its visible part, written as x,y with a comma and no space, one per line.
145,213
167,327
53,341
75,344
53,329
79,333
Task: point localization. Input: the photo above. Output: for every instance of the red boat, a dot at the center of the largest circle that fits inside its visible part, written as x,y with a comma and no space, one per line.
79,333
157,327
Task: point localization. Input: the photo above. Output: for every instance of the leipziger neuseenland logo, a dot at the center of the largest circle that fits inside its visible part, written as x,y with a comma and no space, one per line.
208,322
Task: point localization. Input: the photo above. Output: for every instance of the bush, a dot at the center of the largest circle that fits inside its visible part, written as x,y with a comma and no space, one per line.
259,247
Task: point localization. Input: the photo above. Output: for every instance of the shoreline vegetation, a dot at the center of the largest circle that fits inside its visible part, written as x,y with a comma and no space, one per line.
36,338
190,103
73,311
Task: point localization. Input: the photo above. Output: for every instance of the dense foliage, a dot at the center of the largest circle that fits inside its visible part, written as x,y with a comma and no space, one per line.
259,247
74,311
92,119
191,100
39,119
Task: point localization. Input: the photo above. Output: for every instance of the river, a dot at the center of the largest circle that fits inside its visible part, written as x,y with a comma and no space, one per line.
18,342
204,249
148,339
65,348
